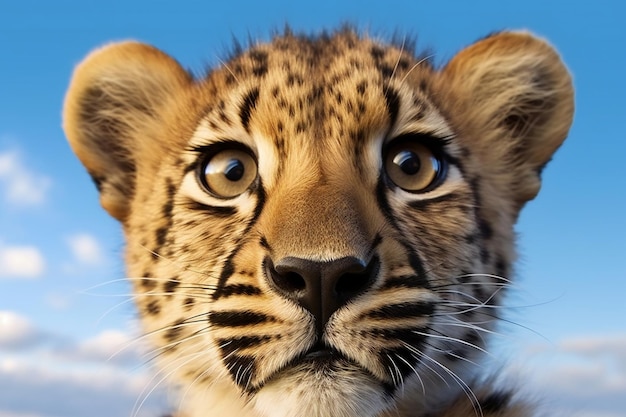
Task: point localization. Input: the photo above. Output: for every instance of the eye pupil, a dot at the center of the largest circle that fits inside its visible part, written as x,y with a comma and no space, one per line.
234,170
408,162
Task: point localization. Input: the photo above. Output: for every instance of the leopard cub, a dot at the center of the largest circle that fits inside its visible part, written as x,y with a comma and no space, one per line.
323,225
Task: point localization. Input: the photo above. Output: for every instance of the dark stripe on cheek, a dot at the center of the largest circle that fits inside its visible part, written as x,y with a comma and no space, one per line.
228,269
167,211
425,204
249,104
240,289
217,211
403,310
238,318
241,368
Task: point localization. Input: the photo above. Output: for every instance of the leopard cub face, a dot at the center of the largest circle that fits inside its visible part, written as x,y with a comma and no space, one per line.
322,226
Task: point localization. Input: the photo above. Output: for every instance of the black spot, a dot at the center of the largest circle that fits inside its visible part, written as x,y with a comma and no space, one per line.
160,236
315,94
486,232
473,338
153,308
377,52
423,85
485,255
291,79
393,105
245,111
496,402
357,136
361,108
385,70
260,62
361,87
170,286
403,64
174,330
501,267
480,293
147,282
471,238
224,118
169,205
189,303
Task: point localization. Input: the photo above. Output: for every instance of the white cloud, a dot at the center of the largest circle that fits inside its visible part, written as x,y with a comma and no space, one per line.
20,185
57,377
11,414
583,376
112,346
39,387
16,331
21,262
85,249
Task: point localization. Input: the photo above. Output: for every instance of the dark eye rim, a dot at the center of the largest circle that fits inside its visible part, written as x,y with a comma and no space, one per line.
209,151
434,144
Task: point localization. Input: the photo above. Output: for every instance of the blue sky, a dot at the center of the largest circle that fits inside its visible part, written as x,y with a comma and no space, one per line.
57,331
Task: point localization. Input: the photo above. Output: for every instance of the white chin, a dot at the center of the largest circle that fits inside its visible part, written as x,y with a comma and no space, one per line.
331,391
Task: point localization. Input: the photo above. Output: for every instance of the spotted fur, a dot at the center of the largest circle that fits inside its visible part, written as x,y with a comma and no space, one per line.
400,337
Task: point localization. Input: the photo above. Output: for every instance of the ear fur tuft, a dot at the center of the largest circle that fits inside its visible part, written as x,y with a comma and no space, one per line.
115,93
515,96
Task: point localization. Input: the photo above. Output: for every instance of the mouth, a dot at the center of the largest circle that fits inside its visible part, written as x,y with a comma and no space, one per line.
318,359
320,356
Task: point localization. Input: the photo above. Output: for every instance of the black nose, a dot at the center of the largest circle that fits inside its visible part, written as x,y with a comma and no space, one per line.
321,287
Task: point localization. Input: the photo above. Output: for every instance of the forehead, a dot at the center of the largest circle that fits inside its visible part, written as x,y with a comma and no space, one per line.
299,91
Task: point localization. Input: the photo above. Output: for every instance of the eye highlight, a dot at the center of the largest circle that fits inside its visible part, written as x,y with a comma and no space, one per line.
414,166
227,173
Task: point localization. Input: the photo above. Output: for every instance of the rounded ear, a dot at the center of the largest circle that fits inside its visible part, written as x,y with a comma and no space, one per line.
115,94
516,95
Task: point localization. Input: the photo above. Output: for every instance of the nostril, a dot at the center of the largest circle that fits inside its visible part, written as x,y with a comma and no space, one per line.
352,283
290,281
285,279
349,284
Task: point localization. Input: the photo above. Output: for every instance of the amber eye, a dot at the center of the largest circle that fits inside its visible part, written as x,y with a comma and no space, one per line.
228,173
413,166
